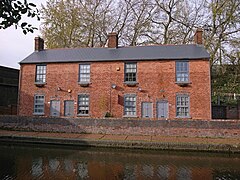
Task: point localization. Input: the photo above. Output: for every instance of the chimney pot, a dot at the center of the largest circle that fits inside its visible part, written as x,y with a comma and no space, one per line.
198,36
112,40
39,44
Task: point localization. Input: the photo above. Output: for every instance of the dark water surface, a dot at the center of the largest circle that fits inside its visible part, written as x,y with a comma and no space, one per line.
55,162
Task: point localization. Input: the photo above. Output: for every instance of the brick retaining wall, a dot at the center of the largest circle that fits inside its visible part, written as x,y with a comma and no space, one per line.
191,128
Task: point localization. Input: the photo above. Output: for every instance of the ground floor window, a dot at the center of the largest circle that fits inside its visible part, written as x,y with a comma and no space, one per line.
130,105
182,102
83,104
39,104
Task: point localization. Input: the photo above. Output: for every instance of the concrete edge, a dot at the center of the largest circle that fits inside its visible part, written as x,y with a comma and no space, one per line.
223,148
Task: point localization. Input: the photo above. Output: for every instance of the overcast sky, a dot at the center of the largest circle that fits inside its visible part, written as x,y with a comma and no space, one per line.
14,45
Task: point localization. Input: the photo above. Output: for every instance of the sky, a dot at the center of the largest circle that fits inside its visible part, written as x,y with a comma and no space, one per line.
14,45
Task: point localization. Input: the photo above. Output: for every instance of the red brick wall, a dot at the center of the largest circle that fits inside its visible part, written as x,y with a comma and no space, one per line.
189,128
156,79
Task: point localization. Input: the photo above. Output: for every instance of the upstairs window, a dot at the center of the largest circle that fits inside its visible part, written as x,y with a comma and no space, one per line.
38,105
84,73
130,73
182,102
83,104
182,71
130,105
40,74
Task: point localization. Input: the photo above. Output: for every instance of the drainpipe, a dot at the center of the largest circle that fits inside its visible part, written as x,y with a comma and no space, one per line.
19,89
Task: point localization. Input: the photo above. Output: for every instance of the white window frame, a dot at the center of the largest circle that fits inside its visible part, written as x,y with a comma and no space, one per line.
130,105
84,73
182,71
40,75
39,104
83,105
183,106
130,70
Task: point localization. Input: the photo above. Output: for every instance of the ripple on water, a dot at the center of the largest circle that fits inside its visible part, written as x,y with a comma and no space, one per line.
18,162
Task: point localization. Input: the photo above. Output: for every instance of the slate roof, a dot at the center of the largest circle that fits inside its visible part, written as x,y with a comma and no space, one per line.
136,53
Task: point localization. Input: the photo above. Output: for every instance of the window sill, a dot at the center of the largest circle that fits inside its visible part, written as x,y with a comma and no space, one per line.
131,83
38,114
84,84
130,116
40,84
183,117
83,115
183,84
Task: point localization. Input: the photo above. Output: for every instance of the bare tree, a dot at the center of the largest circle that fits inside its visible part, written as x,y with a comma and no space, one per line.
76,23
136,22
222,28
60,26
96,18
222,41
189,16
163,19
86,23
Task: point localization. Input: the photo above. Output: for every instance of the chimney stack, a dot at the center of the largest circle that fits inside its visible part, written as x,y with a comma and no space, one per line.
198,36
39,44
112,40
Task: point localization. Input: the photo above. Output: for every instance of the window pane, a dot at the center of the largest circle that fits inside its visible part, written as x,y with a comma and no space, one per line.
182,72
84,72
130,105
38,104
83,104
182,103
40,73
130,72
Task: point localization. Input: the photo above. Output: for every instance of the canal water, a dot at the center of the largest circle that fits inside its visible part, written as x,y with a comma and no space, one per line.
57,162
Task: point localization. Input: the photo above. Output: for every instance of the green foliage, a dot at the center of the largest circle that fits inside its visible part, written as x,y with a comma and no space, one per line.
11,12
226,84
108,115
70,23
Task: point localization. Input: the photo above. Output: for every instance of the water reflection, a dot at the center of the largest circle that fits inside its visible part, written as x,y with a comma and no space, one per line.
24,162
163,172
37,165
184,173
82,169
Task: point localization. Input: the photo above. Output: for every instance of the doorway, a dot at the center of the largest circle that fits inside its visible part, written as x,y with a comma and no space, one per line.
69,108
55,108
162,109
147,110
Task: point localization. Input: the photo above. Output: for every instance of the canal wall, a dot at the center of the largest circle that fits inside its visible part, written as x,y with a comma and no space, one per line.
187,128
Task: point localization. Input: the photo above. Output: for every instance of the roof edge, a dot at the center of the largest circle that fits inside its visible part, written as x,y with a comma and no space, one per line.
79,61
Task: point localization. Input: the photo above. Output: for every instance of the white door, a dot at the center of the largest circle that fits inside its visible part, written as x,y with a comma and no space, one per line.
147,110
69,108
162,109
55,108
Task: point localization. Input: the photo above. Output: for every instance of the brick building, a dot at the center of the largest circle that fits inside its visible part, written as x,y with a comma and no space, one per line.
156,82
